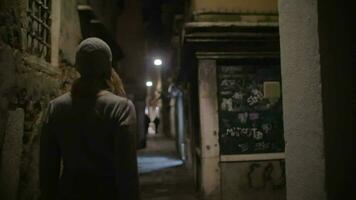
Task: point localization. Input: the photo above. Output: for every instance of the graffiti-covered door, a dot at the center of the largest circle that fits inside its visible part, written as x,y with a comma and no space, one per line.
250,109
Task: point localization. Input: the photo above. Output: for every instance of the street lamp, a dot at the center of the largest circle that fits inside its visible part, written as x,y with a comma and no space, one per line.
149,83
157,62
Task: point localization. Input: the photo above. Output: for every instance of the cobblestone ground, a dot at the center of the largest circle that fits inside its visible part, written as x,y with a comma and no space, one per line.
162,175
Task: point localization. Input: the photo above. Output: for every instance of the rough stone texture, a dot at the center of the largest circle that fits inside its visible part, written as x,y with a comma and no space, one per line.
259,180
12,22
11,153
302,108
26,83
6,83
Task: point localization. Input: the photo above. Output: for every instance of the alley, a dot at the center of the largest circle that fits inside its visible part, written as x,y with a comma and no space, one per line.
162,175
226,99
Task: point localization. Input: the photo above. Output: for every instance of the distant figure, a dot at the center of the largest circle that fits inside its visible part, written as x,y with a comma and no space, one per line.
147,125
156,121
92,130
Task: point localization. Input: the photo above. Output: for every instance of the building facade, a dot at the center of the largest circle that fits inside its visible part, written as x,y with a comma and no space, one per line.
37,56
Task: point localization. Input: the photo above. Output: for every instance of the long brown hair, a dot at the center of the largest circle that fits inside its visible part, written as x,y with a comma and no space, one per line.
85,87
116,85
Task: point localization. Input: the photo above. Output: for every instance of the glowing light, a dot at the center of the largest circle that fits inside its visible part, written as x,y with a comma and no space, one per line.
149,83
157,62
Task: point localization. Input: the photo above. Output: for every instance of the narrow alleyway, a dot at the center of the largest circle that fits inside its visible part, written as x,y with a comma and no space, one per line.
162,175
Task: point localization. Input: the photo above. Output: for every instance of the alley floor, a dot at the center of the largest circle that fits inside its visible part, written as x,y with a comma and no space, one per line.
162,175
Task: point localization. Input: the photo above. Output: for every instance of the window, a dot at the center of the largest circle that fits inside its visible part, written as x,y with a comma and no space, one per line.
39,28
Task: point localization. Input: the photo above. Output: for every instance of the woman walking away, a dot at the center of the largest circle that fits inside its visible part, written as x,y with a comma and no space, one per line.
92,131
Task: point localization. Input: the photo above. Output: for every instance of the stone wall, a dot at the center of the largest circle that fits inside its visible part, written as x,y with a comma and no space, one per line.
27,84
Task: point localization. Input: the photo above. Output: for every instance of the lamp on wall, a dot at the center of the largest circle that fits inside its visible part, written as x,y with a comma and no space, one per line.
157,62
149,83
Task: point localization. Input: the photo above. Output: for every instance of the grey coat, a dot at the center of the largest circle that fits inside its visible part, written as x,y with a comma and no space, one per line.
95,139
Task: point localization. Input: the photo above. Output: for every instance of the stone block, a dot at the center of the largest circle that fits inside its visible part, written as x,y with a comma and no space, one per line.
11,155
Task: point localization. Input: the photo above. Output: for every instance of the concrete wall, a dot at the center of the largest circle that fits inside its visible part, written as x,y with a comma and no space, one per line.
253,180
208,106
318,57
302,101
